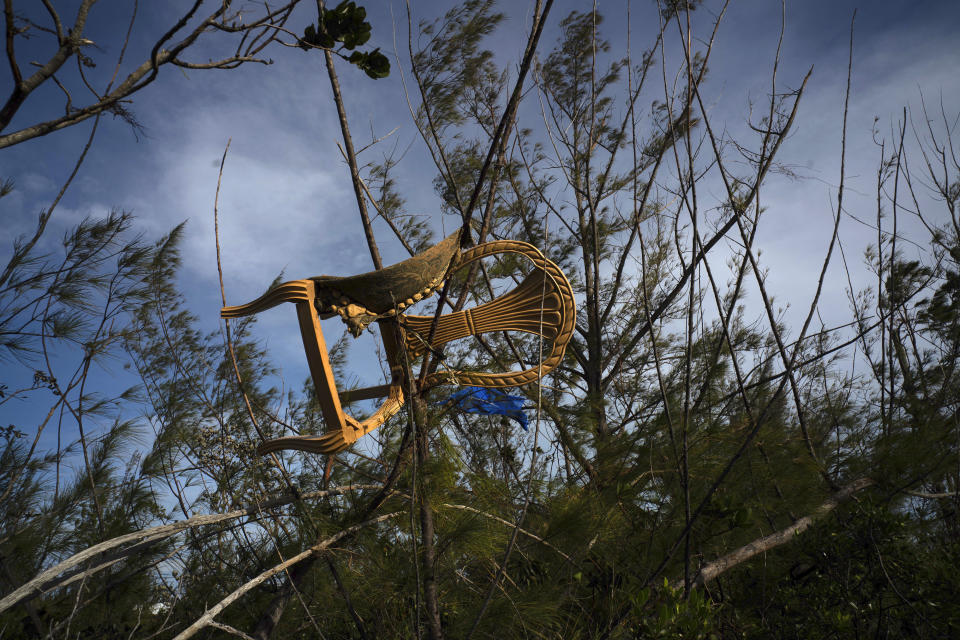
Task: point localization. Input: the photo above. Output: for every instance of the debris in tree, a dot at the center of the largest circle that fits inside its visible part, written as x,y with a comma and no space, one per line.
542,304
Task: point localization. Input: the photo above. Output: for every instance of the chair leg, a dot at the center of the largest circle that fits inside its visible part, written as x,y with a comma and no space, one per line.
315,348
342,430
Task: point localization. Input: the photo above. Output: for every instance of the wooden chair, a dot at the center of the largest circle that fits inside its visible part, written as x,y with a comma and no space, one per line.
542,304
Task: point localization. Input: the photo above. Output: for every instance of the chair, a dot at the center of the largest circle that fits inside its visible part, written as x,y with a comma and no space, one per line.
542,304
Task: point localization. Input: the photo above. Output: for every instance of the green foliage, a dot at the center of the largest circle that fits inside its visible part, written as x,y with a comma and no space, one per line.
455,70
672,615
373,63
347,25
869,572
678,8
668,441
415,230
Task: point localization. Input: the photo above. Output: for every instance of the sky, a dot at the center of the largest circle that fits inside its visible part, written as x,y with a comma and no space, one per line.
286,202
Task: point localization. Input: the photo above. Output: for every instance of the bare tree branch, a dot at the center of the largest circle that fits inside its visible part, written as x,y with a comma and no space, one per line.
208,617
140,77
103,552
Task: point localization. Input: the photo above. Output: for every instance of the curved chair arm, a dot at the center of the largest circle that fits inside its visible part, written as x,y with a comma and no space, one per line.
293,291
542,304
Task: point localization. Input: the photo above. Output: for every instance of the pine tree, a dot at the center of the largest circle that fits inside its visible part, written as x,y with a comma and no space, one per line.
687,432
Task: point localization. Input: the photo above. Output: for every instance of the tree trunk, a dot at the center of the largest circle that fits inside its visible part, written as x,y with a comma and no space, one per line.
427,548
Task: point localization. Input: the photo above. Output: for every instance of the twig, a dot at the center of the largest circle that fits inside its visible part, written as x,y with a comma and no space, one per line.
227,628
352,161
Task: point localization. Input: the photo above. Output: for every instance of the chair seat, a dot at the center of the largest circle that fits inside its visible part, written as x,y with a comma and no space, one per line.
363,298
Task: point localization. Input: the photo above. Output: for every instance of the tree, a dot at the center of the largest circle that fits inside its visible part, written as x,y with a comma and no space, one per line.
253,34
689,431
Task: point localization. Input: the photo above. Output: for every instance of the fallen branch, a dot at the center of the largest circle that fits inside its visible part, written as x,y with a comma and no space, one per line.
105,555
231,630
933,496
713,569
208,618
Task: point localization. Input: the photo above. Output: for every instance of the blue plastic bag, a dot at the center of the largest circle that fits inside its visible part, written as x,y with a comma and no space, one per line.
489,402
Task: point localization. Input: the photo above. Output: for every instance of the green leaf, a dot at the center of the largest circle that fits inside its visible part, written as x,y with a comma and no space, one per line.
378,66
373,63
347,23
315,37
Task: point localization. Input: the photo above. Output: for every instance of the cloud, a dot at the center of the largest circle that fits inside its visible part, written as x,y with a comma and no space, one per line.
286,202
892,67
